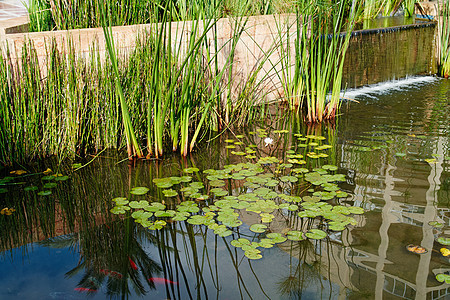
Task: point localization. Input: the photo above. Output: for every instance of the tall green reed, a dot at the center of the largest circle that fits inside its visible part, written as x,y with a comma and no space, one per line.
444,39
312,68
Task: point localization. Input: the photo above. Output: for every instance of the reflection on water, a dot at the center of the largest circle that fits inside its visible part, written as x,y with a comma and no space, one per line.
393,147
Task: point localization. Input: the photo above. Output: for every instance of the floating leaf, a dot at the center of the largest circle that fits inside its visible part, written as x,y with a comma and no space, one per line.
76,166
44,193
165,214
139,204
443,277
258,228
141,214
30,188
276,237
154,207
295,235
316,234
119,210
120,201
253,254
399,154
48,171
18,172
170,193
445,252
444,241
48,178
431,160
416,249
356,210
435,224
139,190
190,170
61,178
50,185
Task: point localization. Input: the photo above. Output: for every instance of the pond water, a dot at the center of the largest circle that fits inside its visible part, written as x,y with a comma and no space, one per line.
392,149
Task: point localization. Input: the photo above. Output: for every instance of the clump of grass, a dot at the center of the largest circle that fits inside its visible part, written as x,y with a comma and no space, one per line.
444,39
73,105
315,82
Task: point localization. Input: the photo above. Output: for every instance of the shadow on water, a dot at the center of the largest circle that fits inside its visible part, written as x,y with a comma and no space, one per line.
393,148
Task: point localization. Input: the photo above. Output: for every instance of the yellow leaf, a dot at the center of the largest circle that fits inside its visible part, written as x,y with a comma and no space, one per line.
3,211
18,172
445,251
48,171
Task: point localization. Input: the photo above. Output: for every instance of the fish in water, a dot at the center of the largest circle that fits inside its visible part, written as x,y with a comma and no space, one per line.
162,280
82,289
132,264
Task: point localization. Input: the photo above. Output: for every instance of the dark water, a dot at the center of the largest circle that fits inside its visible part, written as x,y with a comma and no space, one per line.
53,246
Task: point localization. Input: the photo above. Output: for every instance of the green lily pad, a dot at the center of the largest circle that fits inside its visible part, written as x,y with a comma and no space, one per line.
48,178
44,193
253,254
29,188
139,204
197,220
141,214
61,178
190,170
444,241
443,277
258,228
141,190
356,210
170,193
316,234
435,224
295,235
154,207
165,214
50,185
119,210
120,201
181,216
276,237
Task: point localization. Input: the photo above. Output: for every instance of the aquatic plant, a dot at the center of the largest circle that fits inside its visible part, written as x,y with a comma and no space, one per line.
444,38
263,186
326,49
132,144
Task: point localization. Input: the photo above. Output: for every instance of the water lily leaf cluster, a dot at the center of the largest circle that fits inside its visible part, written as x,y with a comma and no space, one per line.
266,189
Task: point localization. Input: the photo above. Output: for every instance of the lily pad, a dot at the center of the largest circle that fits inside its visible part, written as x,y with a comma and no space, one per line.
258,228
120,201
276,237
141,190
295,235
316,234
444,241
50,185
190,170
170,193
443,277
30,188
138,204
44,193
253,254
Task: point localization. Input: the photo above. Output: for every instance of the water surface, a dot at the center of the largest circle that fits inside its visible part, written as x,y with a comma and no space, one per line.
393,147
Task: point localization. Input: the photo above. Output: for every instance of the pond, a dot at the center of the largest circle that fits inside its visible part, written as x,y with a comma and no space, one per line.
381,173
